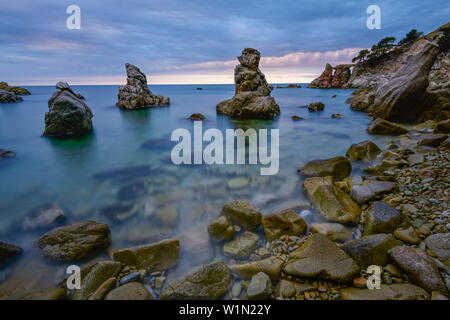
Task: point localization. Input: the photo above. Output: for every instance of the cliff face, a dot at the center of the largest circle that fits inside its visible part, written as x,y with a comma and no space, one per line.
330,79
411,84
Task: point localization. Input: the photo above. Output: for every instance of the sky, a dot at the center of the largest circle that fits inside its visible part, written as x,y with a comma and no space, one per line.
194,41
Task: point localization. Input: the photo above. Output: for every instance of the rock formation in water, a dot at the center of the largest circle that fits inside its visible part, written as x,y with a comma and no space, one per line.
330,79
16,90
8,96
136,94
252,98
410,84
68,115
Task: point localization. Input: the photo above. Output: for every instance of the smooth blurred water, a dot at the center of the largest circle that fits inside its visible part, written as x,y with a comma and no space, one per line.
63,171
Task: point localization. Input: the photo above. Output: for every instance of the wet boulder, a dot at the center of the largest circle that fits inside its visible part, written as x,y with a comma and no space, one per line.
221,229
242,246
320,258
380,126
335,231
130,291
338,167
243,213
270,266
260,287
316,106
8,252
382,218
210,281
365,151
288,222
157,256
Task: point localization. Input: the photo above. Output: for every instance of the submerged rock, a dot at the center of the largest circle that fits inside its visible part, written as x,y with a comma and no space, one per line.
252,98
8,252
260,287
8,96
396,291
365,151
136,94
210,281
338,167
157,256
45,216
380,126
77,241
320,258
420,268
243,213
221,229
288,222
6,154
68,115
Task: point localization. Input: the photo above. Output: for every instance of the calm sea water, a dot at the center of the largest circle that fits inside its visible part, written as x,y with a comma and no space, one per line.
74,173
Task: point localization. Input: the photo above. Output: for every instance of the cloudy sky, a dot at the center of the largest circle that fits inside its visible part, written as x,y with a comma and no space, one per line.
194,41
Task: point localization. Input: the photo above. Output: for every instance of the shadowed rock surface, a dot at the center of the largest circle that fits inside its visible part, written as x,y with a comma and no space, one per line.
136,94
252,98
8,96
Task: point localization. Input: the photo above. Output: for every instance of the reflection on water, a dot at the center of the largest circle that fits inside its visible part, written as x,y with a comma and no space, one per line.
122,175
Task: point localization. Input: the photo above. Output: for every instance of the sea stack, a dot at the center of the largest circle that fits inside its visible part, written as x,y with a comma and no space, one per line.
331,77
136,94
68,115
252,98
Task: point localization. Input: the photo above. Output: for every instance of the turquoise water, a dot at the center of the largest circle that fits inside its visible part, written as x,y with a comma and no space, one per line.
72,172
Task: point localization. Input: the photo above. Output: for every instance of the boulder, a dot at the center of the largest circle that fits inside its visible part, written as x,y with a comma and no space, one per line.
129,291
243,213
370,250
316,106
210,281
407,235
45,216
396,291
270,266
8,252
252,98
157,256
95,277
335,231
365,151
242,246
8,96
407,87
380,126
310,185
335,205
221,229
136,94
68,116
104,289
419,267
320,258
338,167
285,289
324,80
287,222
432,140
77,241
260,287
382,218
439,243
370,189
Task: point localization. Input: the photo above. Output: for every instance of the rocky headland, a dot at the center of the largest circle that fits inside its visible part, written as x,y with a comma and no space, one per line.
252,98
11,94
136,94
332,77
